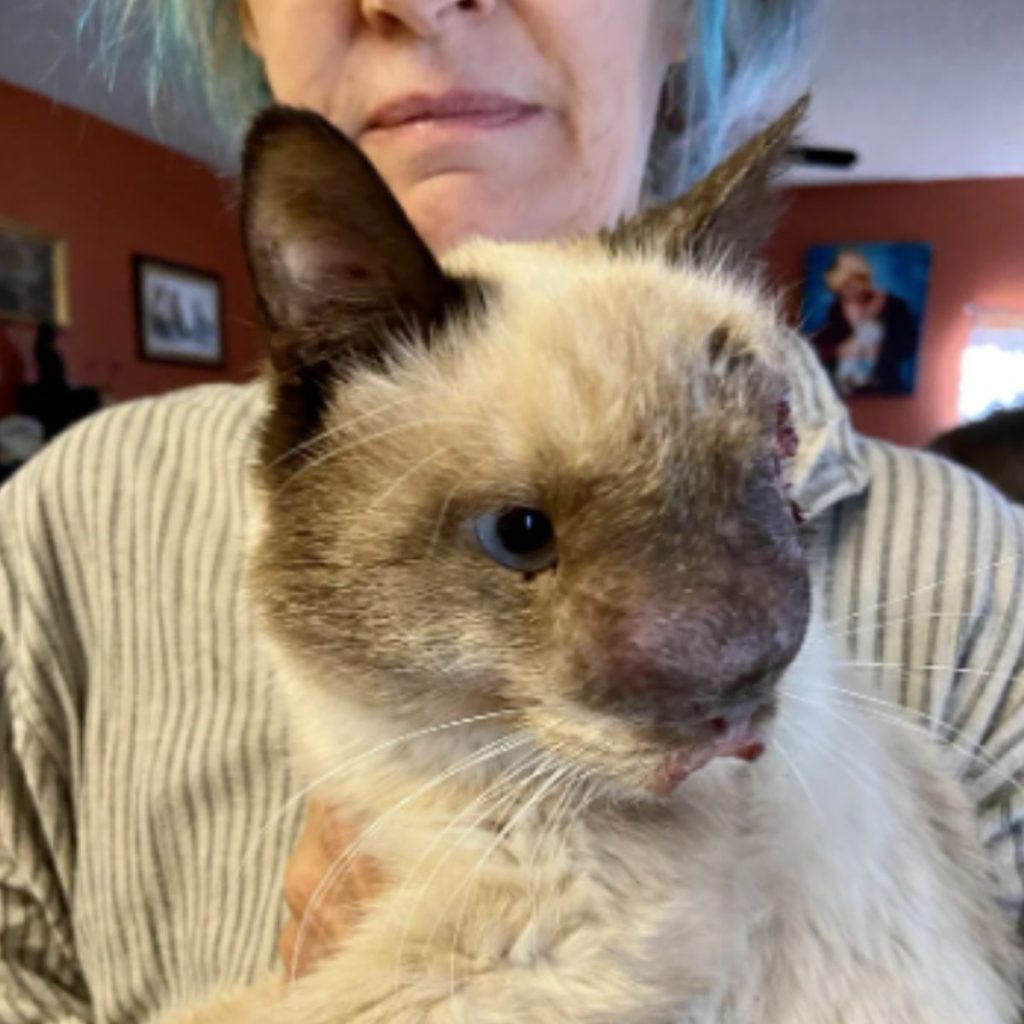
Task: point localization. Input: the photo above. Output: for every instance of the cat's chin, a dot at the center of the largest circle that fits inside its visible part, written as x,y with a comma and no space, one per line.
636,763
739,735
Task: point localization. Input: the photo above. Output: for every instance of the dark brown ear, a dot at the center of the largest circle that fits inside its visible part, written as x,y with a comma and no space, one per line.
729,214
341,274
336,263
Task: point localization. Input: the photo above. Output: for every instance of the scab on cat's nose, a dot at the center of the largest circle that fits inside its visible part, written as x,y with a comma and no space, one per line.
694,663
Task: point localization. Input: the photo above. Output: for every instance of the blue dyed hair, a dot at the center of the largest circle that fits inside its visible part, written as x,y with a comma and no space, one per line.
742,53
747,63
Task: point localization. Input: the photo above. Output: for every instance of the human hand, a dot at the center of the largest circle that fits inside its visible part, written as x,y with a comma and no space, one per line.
325,923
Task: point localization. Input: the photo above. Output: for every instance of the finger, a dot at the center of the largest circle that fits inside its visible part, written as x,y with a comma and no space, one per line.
307,936
286,944
334,831
299,960
330,911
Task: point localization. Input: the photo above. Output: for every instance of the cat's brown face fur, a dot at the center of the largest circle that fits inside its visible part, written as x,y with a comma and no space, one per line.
634,403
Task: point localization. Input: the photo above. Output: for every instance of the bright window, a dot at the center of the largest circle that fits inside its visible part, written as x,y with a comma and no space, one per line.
992,367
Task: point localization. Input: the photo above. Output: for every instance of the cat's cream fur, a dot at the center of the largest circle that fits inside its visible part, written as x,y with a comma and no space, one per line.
762,894
838,879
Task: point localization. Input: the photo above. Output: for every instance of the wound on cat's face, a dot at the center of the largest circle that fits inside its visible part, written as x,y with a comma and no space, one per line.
538,478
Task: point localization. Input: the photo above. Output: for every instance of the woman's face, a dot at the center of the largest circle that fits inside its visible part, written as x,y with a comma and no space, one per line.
513,119
856,287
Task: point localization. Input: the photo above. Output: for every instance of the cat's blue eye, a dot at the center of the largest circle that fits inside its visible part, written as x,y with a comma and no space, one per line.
522,539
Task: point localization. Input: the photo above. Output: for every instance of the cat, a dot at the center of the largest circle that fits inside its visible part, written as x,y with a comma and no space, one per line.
530,569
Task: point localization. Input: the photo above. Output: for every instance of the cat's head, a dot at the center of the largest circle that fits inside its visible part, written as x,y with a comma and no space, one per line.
545,480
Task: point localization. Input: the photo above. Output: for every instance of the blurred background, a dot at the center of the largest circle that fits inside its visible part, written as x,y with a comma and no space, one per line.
121,273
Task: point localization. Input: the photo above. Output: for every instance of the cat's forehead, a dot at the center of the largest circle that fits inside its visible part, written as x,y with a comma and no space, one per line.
574,326
626,308
573,361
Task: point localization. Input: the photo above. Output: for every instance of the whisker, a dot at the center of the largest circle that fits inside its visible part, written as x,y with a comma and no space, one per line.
1008,560
917,668
354,762
588,793
344,860
538,795
921,617
506,778
402,477
897,715
341,428
560,814
537,763
798,775
344,449
854,770
439,521
973,753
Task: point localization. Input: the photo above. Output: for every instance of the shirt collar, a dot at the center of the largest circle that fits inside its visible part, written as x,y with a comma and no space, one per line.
829,464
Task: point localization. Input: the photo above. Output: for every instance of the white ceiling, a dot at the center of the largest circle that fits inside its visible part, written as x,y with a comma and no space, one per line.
922,89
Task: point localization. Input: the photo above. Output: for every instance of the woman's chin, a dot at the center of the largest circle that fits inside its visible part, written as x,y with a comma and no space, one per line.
452,208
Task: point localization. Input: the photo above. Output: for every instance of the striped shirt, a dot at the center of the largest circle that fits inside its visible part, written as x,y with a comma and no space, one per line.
142,767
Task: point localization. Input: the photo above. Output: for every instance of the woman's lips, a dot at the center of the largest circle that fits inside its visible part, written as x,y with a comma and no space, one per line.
451,110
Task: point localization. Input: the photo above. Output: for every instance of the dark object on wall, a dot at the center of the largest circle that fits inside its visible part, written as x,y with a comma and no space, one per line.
823,156
33,276
179,312
992,447
863,307
20,438
51,400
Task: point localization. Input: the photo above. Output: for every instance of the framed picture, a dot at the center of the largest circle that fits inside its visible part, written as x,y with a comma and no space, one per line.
33,276
863,308
180,313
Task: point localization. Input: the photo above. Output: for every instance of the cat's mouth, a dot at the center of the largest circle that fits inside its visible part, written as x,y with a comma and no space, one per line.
740,735
658,759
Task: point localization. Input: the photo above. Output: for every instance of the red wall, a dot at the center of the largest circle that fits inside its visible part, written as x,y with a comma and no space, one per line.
111,194
977,230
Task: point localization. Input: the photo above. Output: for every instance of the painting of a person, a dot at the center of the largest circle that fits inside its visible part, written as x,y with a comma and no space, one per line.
870,336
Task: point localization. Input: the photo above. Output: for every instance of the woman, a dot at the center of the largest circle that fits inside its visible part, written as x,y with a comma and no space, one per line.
143,777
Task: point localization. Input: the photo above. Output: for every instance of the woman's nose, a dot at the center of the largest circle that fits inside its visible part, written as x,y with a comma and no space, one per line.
421,17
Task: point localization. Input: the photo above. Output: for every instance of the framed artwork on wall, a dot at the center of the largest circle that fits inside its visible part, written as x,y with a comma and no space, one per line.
863,306
33,276
179,313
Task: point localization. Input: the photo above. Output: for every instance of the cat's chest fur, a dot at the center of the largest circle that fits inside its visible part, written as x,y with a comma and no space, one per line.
785,891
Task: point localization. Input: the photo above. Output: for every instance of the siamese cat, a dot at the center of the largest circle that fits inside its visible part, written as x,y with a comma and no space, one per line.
531,573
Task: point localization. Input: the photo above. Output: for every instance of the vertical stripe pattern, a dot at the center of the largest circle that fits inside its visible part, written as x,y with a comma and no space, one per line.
142,750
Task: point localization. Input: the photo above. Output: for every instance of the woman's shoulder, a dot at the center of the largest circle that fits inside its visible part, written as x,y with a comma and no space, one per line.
936,548
133,461
900,476
926,570
229,411
211,420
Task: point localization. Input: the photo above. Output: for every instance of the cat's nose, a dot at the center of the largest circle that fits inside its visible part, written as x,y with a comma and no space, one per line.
694,662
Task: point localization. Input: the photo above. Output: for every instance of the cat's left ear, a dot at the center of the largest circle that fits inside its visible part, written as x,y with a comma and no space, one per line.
339,270
728,214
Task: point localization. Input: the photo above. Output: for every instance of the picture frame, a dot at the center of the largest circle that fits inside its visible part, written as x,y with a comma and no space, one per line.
33,275
863,310
179,312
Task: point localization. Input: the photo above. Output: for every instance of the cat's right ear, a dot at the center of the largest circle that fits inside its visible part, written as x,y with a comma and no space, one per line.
728,215
338,268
